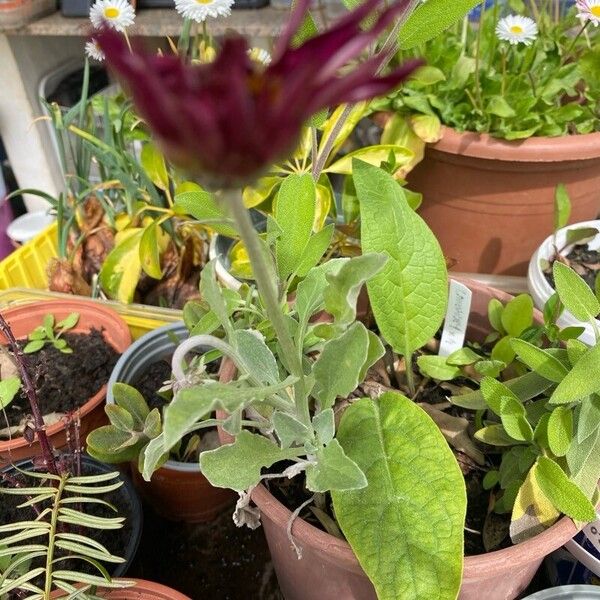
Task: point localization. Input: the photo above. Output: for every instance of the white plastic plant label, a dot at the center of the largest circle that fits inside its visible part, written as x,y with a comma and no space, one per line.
592,532
457,317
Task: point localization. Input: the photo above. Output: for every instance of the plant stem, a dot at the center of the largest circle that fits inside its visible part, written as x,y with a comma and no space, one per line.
183,43
478,59
38,419
330,141
410,376
570,48
51,535
264,274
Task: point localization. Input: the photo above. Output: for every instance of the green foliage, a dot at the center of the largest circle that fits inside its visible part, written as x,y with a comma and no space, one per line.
35,550
50,332
389,523
485,85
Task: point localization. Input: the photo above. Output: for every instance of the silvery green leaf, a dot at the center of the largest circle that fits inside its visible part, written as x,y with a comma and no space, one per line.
289,430
437,367
375,351
257,358
539,360
333,470
324,425
560,430
588,420
582,381
238,466
337,369
212,294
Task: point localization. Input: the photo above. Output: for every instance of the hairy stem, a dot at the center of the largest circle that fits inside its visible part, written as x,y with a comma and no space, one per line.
28,387
266,282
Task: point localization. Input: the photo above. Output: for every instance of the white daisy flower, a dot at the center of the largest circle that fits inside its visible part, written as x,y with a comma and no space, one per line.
200,10
93,50
516,29
117,14
259,55
589,10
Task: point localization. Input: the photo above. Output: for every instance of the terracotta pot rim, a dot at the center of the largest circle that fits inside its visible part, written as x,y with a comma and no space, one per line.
106,318
534,149
143,586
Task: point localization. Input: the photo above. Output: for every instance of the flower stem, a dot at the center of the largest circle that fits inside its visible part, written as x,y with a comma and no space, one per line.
183,43
29,389
478,59
265,277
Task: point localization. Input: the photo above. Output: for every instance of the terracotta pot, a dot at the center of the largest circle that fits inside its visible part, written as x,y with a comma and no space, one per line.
177,491
143,590
23,319
329,570
490,202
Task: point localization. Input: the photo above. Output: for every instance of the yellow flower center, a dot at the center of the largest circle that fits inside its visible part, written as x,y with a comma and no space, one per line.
112,12
516,29
595,10
204,1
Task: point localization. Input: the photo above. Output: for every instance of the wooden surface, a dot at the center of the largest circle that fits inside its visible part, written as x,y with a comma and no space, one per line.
159,22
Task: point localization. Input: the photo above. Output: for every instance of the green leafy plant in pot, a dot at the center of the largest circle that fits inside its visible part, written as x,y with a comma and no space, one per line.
517,94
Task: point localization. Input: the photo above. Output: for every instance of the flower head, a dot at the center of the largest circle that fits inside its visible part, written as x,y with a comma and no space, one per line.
230,120
516,29
93,50
200,10
116,14
589,10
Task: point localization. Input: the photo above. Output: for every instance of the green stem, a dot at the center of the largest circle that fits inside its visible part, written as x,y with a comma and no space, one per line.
51,535
570,48
478,59
410,376
183,44
265,277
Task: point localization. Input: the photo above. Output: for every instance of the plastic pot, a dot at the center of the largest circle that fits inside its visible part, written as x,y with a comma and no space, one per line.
538,285
490,202
567,592
127,497
329,570
23,319
144,590
177,491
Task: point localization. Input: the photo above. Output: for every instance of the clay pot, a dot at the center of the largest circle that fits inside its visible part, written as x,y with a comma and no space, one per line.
490,201
177,491
329,570
143,590
22,320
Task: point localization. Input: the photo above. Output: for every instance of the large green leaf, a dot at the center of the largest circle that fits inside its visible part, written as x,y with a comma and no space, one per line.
153,162
406,526
150,251
238,466
122,267
431,18
539,360
294,214
581,381
408,296
202,205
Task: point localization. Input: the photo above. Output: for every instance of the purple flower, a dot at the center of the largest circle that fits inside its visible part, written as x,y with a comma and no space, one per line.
229,121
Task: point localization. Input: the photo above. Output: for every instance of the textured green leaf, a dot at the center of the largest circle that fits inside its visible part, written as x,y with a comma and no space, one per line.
33,346
514,420
336,370
324,425
119,417
564,494
493,391
289,430
431,18
583,461
575,293
583,379
588,420
497,105
153,424
495,310
503,351
463,356
344,285
539,360
524,387
150,251
389,523
154,164
436,367
128,398
372,155
560,430
295,213
315,249
408,296
69,321
494,435
575,350
518,315
333,470
257,358
238,466
111,445
213,295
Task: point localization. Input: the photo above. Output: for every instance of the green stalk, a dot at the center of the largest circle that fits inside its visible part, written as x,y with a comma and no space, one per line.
183,44
265,277
51,535
478,59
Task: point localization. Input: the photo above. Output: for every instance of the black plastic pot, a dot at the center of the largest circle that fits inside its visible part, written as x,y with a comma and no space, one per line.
128,497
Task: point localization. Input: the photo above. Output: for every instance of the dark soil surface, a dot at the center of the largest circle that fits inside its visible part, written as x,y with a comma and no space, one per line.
115,541
585,261
65,382
214,560
151,381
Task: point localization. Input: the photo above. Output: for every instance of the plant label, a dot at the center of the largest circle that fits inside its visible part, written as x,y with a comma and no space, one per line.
592,532
457,317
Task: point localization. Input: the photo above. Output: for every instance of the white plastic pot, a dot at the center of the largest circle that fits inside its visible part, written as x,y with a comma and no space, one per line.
541,290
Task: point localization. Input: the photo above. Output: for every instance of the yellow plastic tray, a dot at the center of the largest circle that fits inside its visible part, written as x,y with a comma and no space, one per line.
23,278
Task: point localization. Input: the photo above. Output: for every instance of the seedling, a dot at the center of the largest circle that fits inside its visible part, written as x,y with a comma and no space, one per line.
51,333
